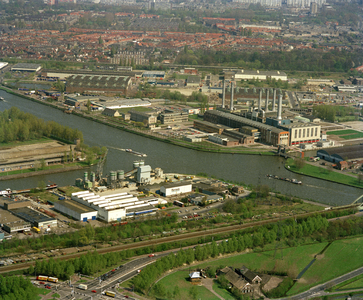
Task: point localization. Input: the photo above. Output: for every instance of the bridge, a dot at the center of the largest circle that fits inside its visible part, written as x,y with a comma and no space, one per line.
359,202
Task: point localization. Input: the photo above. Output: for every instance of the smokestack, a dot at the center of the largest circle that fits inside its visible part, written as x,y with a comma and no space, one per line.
224,93
274,101
279,108
266,103
232,88
259,100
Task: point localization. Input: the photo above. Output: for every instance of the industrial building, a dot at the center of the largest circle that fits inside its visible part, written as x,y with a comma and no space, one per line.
173,117
139,116
28,156
77,211
154,74
301,133
25,67
348,153
260,75
12,223
95,84
268,134
175,189
34,217
114,207
114,103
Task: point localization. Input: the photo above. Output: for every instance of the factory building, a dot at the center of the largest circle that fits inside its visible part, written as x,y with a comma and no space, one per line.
34,217
77,211
348,153
25,67
138,116
268,134
12,223
260,75
174,117
303,133
114,207
176,189
154,74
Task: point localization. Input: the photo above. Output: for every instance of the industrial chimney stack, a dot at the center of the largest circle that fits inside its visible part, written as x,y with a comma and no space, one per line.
224,93
266,103
274,101
279,108
259,101
232,91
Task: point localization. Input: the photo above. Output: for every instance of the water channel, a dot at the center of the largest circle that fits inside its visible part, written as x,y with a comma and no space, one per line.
249,169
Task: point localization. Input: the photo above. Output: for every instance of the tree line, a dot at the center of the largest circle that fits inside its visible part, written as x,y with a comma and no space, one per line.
16,125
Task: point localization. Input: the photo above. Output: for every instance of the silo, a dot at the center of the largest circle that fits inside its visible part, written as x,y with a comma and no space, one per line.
93,177
136,164
120,174
113,176
85,177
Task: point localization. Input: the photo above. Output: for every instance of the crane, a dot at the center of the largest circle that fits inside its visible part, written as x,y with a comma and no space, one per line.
100,165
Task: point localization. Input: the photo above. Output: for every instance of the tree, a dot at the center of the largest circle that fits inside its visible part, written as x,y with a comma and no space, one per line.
299,163
100,40
159,290
41,185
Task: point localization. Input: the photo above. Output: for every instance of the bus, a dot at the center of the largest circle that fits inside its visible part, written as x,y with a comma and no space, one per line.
178,203
110,294
42,278
52,279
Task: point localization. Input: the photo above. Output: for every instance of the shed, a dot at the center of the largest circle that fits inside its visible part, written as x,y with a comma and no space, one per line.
195,277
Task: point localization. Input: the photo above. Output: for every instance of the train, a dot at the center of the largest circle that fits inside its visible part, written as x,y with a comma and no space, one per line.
47,278
178,203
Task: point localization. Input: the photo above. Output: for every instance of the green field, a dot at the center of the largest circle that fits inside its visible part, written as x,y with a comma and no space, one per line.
358,284
357,135
181,278
30,142
341,132
340,257
222,292
320,172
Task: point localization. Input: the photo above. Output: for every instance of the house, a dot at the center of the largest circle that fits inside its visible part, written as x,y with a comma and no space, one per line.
111,112
195,277
249,275
237,189
236,280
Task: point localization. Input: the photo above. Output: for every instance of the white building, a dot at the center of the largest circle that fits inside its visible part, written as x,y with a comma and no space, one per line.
176,189
259,75
77,211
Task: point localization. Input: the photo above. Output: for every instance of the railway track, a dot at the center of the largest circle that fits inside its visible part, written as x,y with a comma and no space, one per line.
175,238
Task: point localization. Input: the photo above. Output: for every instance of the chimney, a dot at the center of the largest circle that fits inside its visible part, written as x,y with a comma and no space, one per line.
232,88
279,108
274,101
223,93
266,103
259,101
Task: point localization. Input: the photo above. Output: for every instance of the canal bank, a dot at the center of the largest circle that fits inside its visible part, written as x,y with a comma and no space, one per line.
247,169
133,130
324,173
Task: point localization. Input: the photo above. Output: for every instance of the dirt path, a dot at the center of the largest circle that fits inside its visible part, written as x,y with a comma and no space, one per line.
208,284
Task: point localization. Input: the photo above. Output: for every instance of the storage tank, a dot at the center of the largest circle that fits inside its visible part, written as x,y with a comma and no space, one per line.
113,176
85,176
136,164
141,163
120,174
93,177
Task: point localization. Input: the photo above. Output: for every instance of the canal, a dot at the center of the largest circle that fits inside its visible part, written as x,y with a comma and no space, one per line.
249,169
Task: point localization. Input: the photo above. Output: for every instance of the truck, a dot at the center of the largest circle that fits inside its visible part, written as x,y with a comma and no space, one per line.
36,229
82,286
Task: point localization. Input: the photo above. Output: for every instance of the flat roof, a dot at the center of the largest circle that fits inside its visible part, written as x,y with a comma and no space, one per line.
75,206
349,152
26,66
7,217
31,215
177,184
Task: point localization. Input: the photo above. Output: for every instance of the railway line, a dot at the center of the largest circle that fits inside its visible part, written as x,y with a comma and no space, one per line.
175,238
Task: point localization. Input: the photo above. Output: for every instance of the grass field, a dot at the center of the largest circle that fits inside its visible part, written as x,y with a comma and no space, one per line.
339,258
353,136
181,278
358,284
322,173
341,132
30,142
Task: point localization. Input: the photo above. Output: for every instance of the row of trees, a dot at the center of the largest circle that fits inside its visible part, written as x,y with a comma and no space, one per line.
303,60
329,112
17,287
16,125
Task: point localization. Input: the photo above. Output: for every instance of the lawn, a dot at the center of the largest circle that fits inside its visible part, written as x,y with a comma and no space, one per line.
292,260
30,142
340,257
341,132
320,172
222,292
353,136
180,278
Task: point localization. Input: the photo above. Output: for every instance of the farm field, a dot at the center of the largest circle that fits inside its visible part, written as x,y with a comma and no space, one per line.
340,257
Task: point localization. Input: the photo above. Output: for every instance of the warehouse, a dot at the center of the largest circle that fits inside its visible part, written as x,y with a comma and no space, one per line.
37,219
77,211
95,84
25,67
114,103
12,223
154,74
176,189
114,207
348,153
260,75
